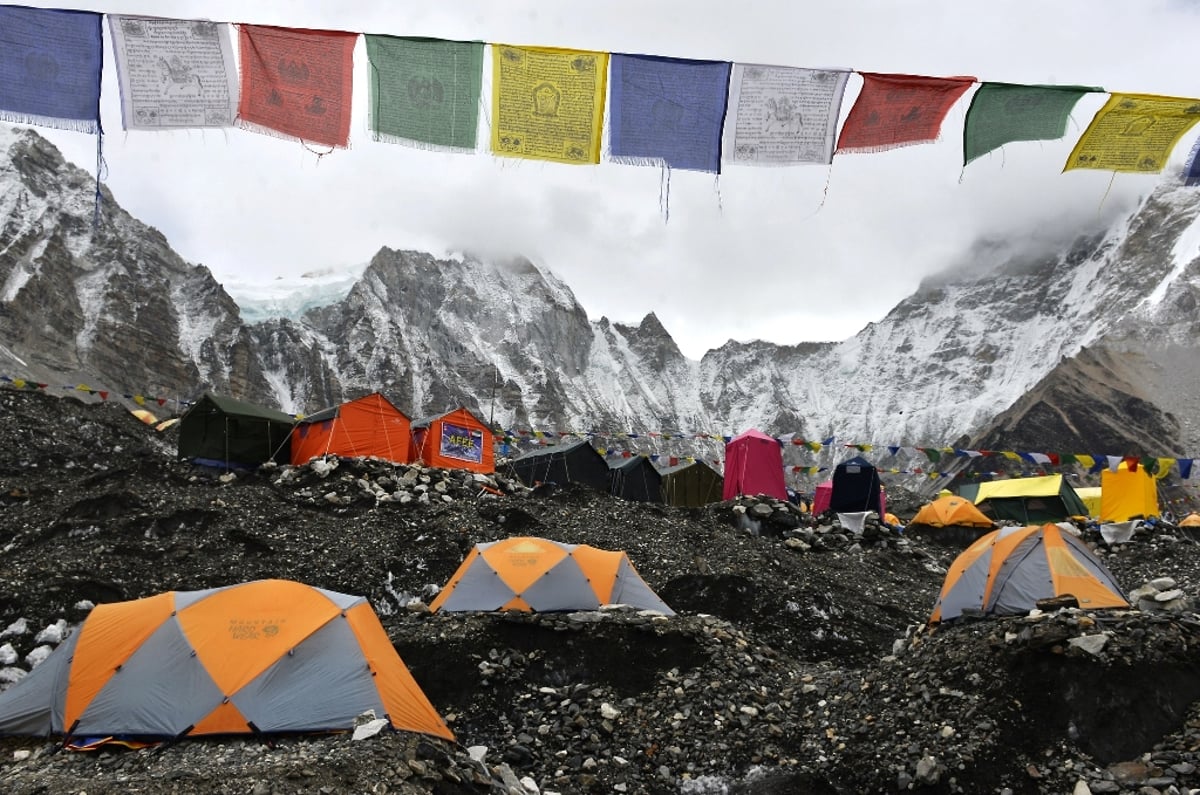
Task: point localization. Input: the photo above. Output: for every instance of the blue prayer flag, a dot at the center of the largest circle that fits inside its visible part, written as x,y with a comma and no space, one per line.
50,67
667,111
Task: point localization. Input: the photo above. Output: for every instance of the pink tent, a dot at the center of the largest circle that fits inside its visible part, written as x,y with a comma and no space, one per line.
754,465
822,494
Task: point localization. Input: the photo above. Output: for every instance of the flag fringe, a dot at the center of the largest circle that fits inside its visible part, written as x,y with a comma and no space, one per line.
413,143
89,126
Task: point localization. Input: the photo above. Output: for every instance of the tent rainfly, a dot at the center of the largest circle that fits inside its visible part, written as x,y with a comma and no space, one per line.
1191,520
634,479
691,485
754,465
1049,498
454,440
1127,494
538,575
950,519
366,426
221,431
268,656
856,487
1009,570
822,495
573,462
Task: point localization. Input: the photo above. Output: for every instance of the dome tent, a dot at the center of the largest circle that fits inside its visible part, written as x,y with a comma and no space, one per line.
951,519
538,575
1009,570
267,656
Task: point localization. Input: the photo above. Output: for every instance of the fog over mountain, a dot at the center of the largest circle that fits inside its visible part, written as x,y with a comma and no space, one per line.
1082,338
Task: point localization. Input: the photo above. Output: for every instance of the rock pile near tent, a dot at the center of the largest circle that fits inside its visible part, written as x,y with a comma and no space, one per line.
791,667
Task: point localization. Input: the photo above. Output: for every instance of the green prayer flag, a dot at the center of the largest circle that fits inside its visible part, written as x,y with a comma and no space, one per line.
425,92
1005,112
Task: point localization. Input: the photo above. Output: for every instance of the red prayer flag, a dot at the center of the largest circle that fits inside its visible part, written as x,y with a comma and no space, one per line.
297,83
899,110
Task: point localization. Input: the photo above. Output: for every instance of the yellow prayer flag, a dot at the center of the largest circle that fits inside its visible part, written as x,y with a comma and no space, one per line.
83,388
1011,456
547,103
1164,467
19,383
1134,132
1085,460
140,400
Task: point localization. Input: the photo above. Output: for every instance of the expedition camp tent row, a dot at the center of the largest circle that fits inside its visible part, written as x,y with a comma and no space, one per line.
268,656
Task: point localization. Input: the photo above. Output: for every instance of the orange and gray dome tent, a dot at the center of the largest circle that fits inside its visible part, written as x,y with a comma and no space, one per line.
267,656
1191,520
538,575
1007,571
951,511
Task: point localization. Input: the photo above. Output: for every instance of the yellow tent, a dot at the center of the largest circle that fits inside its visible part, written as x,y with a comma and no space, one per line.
951,511
1091,498
1127,495
1191,520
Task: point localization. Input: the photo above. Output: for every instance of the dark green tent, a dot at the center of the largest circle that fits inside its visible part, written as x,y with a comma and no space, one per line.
634,479
221,431
691,484
560,464
1035,500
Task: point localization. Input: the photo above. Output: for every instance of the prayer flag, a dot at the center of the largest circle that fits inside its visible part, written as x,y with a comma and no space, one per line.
780,115
668,111
1134,132
548,104
899,110
425,92
296,83
50,67
1004,112
1191,172
174,72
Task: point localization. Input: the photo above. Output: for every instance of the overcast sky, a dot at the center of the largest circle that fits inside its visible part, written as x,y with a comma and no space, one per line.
781,254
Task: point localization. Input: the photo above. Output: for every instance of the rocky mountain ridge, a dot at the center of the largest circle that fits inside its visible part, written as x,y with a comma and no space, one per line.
112,303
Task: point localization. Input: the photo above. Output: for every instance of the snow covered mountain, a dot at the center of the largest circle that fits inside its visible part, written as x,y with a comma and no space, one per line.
1010,348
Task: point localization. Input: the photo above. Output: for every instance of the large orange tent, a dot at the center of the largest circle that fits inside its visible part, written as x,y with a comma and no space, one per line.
367,426
454,440
1009,570
538,575
264,656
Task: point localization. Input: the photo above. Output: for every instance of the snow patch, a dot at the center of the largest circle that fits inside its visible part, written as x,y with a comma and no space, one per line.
1185,251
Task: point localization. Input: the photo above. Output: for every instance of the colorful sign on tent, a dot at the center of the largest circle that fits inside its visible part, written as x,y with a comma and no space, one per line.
899,110
50,67
1001,113
668,111
296,83
547,103
425,92
174,72
1134,132
465,444
780,115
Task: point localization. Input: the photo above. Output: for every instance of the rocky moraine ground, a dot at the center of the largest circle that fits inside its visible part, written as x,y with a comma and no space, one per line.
799,662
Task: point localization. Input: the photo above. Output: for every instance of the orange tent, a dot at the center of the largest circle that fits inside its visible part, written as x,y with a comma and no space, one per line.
455,440
1007,571
367,426
952,511
538,575
1191,520
265,656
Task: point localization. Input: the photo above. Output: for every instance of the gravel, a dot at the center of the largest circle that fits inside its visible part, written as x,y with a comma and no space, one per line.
800,660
